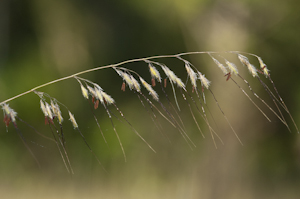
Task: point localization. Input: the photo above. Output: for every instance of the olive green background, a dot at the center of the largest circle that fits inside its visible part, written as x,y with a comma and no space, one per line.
45,40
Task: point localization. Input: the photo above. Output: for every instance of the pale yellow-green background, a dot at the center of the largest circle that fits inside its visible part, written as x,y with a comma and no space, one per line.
44,40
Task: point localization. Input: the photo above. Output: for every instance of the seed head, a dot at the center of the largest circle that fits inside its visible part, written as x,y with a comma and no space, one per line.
154,73
84,91
232,67
56,111
136,84
99,95
204,81
43,108
192,74
53,108
72,119
91,90
6,109
263,67
49,111
244,60
150,89
126,77
171,75
9,112
221,66
107,98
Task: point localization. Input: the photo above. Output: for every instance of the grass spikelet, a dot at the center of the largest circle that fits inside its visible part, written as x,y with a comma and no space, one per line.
84,91
263,67
126,78
150,89
204,81
56,111
221,66
154,72
92,91
49,112
73,121
192,75
43,108
136,84
99,95
9,112
107,98
232,67
244,60
171,75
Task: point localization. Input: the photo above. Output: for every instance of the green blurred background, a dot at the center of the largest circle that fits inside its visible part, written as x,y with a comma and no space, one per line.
44,40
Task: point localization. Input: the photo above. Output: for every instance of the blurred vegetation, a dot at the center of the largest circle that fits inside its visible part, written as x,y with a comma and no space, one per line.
44,40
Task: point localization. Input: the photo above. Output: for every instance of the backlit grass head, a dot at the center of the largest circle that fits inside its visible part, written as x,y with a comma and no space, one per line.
191,85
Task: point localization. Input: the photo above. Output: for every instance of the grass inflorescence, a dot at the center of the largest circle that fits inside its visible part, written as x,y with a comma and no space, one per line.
192,90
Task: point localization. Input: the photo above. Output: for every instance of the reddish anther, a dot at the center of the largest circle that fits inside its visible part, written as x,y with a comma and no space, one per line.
6,120
123,86
228,76
153,82
96,104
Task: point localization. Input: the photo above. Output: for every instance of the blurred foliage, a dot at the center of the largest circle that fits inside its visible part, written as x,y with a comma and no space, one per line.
44,40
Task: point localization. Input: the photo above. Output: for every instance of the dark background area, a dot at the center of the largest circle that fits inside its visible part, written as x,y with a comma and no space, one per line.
45,40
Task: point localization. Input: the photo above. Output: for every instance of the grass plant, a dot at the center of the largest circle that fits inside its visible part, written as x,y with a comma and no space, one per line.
192,90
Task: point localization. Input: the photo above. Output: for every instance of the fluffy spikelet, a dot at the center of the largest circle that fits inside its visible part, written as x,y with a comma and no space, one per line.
180,83
53,107
154,73
252,70
221,66
232,67
204,81
6,109
171,75
150,89
92,91
102,96
126,78
49,111
72,119
244,60
136,84
99,95
108,98
263,66
13,115
43,108
59,117
84,91
9,112
192,75
56,111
